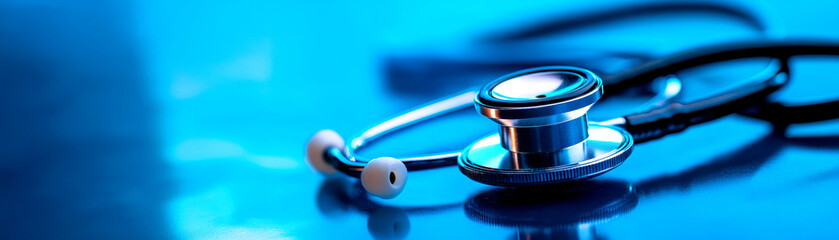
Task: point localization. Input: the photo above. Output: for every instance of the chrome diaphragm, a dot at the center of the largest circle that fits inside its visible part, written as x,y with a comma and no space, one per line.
544,135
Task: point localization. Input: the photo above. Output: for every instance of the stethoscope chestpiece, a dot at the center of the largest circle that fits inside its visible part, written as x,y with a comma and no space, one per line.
544,136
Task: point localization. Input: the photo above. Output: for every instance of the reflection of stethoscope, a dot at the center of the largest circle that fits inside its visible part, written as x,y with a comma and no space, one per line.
582,206
545,137
568,211
337,197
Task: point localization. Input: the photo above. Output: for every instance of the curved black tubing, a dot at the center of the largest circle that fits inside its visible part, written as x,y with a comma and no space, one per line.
676,117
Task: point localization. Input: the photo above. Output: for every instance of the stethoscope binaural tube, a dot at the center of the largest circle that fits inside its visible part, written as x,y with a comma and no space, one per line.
328,153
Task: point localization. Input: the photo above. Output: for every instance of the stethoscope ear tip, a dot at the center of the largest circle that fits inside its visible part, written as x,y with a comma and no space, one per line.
384,177
317,146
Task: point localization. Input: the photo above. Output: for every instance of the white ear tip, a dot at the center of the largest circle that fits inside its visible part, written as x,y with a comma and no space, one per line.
320,142
384,177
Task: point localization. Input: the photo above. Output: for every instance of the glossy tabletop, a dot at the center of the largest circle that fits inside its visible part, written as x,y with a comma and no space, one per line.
188,120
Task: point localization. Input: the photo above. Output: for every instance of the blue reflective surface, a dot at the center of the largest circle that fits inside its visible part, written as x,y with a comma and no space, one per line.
188,120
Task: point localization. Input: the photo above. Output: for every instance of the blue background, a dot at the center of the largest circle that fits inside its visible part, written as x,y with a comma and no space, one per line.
188,120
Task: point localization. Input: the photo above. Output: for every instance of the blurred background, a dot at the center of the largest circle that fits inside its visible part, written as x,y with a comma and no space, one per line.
188,119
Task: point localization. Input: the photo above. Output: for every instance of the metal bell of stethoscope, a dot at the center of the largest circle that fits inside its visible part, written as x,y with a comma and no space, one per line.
544,134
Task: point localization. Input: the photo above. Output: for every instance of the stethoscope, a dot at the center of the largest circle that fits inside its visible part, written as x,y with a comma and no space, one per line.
544,135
